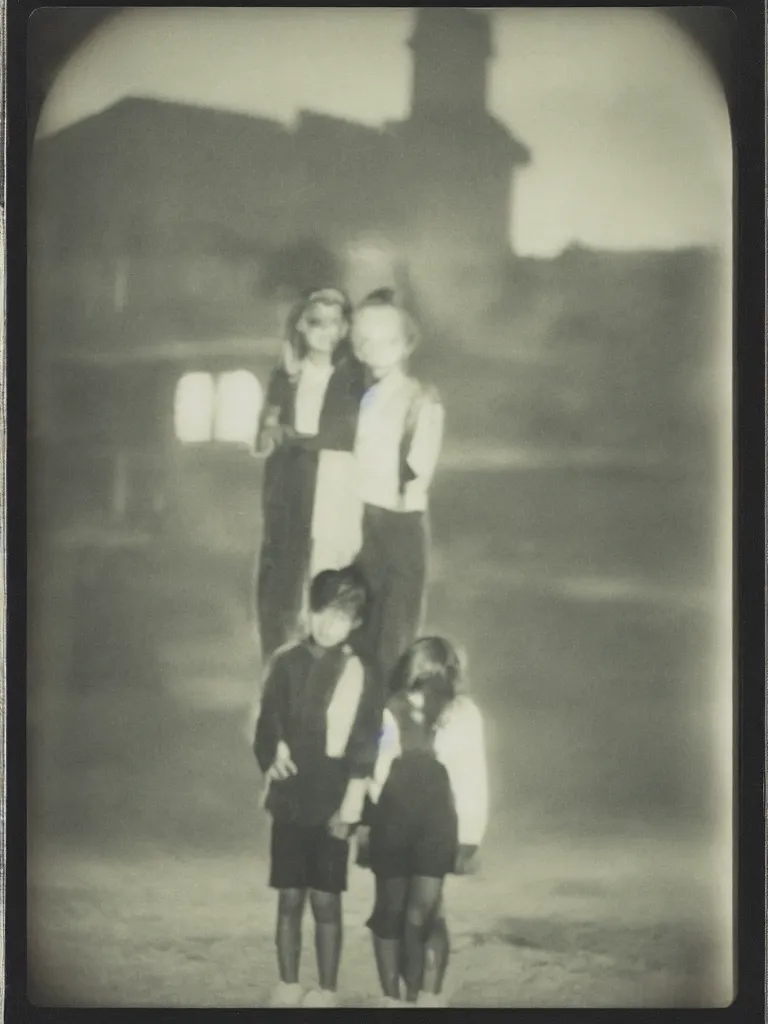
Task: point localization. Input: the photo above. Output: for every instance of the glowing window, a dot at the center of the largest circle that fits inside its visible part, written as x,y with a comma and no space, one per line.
239,399
223,407
194,408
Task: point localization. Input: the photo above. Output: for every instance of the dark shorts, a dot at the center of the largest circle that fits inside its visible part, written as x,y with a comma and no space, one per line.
414,830
307,858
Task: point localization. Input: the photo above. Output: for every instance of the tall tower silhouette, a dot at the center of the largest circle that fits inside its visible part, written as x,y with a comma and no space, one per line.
459,164
451,48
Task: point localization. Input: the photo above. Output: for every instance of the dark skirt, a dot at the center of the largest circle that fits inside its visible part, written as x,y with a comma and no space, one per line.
290,473
413,827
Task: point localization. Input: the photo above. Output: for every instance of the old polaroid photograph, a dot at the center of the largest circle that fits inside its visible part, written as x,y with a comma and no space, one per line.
380,473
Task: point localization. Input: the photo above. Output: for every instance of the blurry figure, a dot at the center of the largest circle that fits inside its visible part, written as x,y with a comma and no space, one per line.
311,506
398,444
427,815
316,741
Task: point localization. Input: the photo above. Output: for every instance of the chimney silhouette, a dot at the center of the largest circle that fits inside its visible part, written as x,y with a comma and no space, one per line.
451,48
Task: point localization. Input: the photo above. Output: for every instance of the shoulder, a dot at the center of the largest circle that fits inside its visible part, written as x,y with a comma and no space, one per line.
284,656
461,717
279,384
351,662
390,731
349,368
424,393
430,394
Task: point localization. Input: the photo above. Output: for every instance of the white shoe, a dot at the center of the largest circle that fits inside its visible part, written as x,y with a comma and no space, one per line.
431,999
389,1003
317,998
286,995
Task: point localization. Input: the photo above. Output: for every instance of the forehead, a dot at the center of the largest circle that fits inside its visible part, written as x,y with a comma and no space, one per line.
379,322
335,610
323,312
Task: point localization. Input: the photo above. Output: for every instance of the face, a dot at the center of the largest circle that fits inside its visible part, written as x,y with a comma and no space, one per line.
331,626
379,339
322,327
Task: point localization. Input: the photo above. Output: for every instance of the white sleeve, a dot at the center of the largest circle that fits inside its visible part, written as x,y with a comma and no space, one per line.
460,746
427,439
389,749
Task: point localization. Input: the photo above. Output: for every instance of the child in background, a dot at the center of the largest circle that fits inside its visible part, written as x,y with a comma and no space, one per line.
316,741
399,438
429,808
311,510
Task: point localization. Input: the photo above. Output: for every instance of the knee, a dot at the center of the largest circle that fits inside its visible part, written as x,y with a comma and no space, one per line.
290,902
326,907
420,917
386,921
438,930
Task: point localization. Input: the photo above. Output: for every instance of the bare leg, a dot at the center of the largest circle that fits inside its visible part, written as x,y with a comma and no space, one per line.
387,953
326,908
386,925
290,910
424,896
437,954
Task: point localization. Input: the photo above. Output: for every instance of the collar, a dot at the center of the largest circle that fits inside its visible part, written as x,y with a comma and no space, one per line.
314,648
318,652
394,380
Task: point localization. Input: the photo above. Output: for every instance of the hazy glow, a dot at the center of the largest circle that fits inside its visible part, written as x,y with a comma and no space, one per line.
193,410
222,408
239,398
627,126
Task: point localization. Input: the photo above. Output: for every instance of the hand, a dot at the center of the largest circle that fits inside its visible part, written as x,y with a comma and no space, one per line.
282,767
466,860
340,829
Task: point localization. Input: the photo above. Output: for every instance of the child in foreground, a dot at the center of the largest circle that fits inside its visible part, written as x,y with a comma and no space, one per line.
427,818
316,741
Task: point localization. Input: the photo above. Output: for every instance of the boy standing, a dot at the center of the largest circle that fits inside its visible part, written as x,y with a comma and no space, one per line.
316,741
399,437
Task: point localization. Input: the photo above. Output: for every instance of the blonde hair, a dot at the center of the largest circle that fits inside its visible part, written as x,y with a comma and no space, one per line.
385,298
295,348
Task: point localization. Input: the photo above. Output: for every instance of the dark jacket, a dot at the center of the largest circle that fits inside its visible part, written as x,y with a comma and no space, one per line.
338,418
297,693
288,492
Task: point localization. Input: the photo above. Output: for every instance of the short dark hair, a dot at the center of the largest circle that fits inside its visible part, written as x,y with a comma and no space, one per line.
387,298
345,589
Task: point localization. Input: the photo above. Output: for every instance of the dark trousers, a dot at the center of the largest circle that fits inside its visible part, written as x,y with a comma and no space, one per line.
394,560
281,577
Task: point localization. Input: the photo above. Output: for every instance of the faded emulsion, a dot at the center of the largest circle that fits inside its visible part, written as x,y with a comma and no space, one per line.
574,308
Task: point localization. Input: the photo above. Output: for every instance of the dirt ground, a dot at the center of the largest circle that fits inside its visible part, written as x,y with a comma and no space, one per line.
542,927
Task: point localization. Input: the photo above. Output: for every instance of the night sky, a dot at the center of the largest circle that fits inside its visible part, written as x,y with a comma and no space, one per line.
627,125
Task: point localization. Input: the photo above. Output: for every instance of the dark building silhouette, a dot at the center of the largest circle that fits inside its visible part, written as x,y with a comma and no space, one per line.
168,239
153,210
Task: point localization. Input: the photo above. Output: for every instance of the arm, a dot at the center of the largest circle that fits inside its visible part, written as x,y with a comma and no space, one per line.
460,745
269,731
427,440
269,432
362,750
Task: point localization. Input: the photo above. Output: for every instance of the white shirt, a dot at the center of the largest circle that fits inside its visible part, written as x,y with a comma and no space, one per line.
310,395
460,748
384,414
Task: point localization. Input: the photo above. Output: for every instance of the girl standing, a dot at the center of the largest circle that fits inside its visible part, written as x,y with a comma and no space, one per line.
311,509
428,811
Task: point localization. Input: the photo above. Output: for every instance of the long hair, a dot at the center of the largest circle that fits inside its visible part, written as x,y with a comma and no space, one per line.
295,349
430,661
